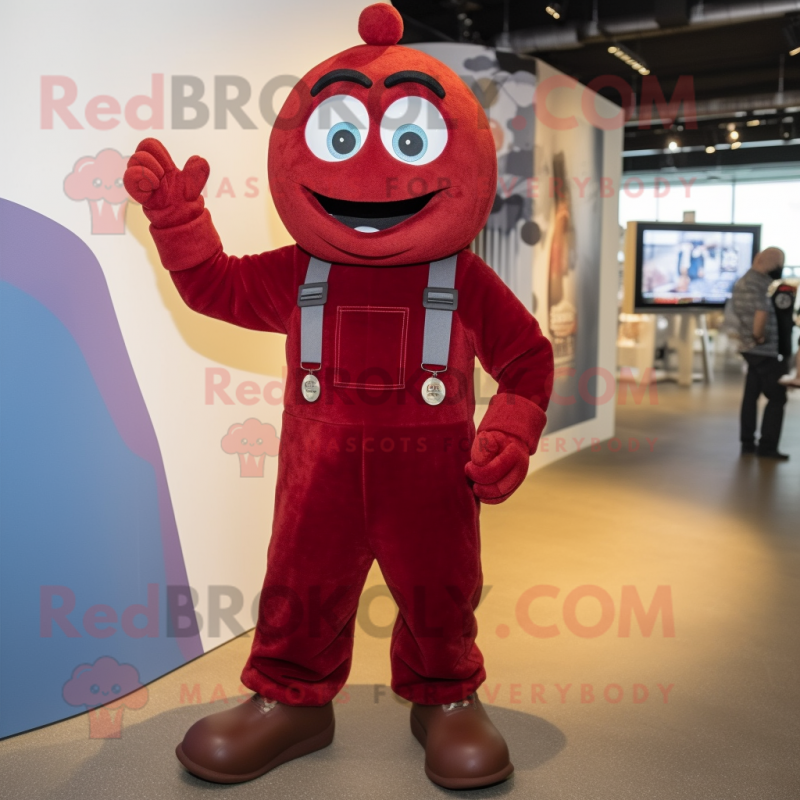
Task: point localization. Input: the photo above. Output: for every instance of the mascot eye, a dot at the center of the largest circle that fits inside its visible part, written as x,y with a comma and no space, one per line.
344,140
97,182
409,142
337,128
413,130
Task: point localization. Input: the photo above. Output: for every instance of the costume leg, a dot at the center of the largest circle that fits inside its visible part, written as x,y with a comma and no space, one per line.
317,564
422,523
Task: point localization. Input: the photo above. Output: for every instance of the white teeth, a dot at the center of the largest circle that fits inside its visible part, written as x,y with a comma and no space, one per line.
362,228
100,205
116,208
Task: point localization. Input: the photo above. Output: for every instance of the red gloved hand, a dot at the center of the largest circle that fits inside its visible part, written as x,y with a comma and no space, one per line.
169,196
499,465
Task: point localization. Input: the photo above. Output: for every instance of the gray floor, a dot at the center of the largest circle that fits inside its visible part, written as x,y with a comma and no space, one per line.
720,531
362,763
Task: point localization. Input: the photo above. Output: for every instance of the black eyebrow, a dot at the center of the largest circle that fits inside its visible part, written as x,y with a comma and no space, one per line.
351,75
412,76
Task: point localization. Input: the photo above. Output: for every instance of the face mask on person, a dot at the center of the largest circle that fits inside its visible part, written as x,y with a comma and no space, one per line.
776,274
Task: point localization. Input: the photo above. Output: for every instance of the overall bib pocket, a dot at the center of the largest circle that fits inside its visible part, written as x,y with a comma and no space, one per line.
370,351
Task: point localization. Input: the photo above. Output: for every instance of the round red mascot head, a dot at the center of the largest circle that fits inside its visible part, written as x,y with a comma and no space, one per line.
382,155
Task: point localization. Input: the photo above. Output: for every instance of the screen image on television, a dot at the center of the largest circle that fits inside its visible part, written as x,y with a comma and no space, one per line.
691,265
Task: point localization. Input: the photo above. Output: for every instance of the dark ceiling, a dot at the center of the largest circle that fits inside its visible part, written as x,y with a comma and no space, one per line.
735,53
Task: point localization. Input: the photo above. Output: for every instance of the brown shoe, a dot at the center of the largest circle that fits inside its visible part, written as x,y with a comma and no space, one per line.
243,743
463,749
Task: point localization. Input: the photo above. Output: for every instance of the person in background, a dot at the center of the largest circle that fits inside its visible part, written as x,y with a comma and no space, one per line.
758,344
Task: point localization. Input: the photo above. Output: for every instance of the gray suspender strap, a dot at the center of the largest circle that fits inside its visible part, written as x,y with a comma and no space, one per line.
311,298
440,300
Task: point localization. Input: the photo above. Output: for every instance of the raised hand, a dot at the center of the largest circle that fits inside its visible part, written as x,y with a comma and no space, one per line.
169,196
499,464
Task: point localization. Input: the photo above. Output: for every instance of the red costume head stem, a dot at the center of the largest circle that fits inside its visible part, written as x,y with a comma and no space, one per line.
380,24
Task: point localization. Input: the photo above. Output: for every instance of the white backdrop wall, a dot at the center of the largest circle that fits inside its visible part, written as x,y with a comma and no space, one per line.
117,52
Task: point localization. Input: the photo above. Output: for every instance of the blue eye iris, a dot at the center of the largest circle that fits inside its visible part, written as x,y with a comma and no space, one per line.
410,142
116,688
344,140
94,688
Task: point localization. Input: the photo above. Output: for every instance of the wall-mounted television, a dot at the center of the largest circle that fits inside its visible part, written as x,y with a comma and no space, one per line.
672,266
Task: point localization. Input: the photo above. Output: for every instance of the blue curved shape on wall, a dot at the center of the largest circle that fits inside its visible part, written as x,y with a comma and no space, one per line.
86,520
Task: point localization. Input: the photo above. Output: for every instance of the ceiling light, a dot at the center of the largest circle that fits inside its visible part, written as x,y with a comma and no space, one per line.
554,10
633,60
734,135
753,123
711,149
736,145
673,145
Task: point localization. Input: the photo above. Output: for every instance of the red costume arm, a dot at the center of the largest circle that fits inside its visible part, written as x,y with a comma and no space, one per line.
512,349
252,292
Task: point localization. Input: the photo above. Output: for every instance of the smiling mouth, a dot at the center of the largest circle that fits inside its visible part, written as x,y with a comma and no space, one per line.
372,217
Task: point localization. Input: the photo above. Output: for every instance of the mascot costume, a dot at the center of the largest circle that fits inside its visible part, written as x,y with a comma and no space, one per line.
382,166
